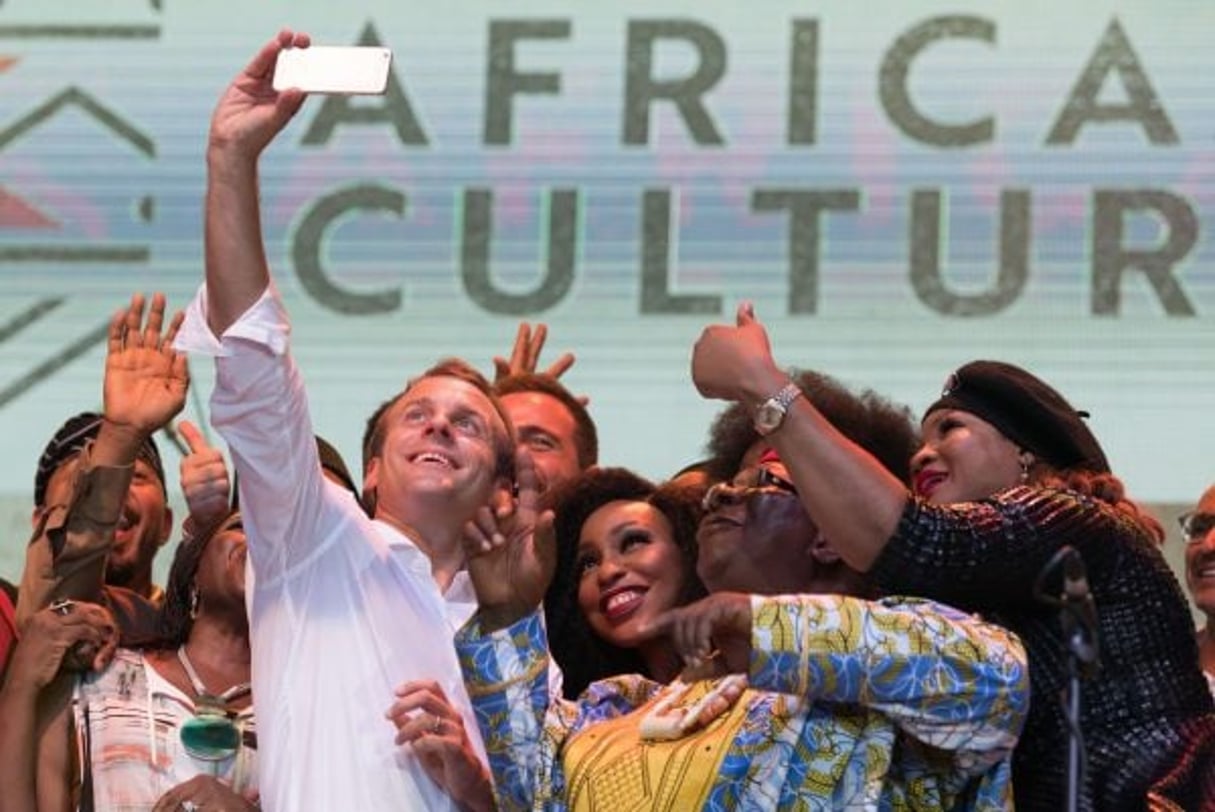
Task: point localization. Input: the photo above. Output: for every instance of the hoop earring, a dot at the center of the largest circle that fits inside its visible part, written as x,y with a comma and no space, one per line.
194,601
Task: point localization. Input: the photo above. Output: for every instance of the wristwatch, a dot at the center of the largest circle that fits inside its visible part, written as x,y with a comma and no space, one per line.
772,411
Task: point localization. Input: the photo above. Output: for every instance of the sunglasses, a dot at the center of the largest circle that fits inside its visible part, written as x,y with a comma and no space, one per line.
1195,526
732,492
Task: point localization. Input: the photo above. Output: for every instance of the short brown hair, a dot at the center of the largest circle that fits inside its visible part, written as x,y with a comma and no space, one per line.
503,442
586,437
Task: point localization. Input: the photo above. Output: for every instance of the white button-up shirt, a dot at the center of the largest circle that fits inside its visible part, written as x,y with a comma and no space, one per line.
342,608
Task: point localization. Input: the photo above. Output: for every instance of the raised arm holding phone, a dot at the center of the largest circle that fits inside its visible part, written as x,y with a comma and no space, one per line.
345,608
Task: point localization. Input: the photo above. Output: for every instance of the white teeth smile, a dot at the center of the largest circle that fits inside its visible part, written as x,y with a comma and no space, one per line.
432,457
621,599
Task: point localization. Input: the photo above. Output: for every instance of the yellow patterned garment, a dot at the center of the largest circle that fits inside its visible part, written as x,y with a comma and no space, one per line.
609,767
895,704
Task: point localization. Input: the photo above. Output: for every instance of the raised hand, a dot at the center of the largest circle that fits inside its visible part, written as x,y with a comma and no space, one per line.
204,792
732,362
525,355
711,635
511,553
204,478
251,112
145,378
426,720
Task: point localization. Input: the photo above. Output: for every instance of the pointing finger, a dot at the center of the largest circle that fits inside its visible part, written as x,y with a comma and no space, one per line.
746,313
527,480
193,437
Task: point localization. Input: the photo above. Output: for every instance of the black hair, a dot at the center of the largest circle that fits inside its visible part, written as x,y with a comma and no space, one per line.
583,656
879,426
71,438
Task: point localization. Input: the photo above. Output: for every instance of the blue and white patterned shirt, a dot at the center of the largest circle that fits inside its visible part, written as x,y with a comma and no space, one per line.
853,704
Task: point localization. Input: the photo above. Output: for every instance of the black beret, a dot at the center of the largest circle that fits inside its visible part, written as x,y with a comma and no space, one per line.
71,439
1027,411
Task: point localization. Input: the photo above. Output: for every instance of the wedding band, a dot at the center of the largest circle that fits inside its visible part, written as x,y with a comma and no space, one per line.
436,725
62,607
189,806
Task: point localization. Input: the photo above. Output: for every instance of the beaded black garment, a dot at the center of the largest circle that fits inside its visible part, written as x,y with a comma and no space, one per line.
1142,710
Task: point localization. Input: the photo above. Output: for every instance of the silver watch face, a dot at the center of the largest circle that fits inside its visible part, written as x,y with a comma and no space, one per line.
768,417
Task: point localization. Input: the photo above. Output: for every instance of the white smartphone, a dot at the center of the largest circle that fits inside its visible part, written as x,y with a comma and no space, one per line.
334,69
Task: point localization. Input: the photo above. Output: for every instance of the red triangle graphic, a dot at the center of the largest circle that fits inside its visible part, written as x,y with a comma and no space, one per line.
16,213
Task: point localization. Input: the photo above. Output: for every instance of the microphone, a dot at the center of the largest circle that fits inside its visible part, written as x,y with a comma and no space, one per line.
1079,616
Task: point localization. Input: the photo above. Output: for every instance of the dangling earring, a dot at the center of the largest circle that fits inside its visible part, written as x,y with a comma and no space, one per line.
193,602
1024,469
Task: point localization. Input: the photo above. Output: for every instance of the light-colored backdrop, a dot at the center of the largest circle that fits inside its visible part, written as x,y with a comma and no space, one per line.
1028,181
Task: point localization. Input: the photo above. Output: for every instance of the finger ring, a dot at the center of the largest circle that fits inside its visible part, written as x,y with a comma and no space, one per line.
62,607
436,725
190,806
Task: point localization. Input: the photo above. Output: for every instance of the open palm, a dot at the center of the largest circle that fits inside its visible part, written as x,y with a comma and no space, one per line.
145,378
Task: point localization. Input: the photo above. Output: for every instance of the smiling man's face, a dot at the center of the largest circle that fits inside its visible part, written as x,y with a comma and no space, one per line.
440,439
1200,558
143,525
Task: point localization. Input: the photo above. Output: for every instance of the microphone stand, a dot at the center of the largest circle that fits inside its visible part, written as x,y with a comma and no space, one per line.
1078,618
1072,706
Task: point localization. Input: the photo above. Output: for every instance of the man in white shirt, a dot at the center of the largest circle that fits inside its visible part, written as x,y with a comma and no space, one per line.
344,607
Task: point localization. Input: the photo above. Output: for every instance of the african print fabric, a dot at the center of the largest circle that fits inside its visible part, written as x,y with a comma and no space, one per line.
895,704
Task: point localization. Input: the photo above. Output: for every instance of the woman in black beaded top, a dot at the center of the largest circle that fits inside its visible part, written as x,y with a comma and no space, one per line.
1008,474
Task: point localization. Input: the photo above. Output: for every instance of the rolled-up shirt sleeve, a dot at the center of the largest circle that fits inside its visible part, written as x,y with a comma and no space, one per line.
260,408
66,555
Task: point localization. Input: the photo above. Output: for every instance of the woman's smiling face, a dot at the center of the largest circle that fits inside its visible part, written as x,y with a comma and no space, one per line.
963,458
630,569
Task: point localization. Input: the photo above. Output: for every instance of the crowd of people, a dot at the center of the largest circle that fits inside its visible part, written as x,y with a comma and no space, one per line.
833,609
